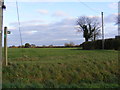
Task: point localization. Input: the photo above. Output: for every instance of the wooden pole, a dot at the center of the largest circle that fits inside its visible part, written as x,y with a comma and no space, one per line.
1,24
118,19
102,31
5,46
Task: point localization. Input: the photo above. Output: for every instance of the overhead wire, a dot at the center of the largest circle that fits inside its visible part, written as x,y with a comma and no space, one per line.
92,9
19,24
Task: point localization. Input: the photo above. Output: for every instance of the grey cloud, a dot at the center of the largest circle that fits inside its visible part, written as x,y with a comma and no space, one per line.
111,31
113,5
60,14
42,11
27,23
110,18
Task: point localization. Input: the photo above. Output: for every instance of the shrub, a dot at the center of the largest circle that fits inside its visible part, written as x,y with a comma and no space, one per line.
27,45
71,44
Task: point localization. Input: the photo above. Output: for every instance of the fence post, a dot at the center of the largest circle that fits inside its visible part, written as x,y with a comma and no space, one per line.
5,46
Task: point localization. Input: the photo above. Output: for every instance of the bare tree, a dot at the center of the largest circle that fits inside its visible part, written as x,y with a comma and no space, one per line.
90,27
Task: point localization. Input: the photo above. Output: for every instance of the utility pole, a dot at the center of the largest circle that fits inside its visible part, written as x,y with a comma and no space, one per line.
5,46
102,30
1,24
118,19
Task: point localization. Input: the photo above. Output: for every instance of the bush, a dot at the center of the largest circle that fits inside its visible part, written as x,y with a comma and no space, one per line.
108,44
87,45
27,45
71,44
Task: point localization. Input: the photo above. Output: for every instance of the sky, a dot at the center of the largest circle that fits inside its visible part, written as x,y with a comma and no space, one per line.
54,23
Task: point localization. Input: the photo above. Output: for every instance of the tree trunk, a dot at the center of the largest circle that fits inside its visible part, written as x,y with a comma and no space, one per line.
86,39
94,36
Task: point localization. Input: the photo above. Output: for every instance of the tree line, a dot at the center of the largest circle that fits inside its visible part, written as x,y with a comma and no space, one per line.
28,45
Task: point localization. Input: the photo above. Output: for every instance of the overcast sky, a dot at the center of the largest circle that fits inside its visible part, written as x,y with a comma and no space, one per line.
46,23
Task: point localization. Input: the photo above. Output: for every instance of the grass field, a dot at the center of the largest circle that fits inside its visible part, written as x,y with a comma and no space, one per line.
61,68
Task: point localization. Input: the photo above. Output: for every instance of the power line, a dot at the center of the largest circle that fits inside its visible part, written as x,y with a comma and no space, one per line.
19,23
92,9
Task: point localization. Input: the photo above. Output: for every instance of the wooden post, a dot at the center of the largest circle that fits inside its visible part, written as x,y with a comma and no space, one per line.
5,46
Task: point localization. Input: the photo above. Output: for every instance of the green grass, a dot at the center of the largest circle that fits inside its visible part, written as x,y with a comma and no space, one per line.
61,68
